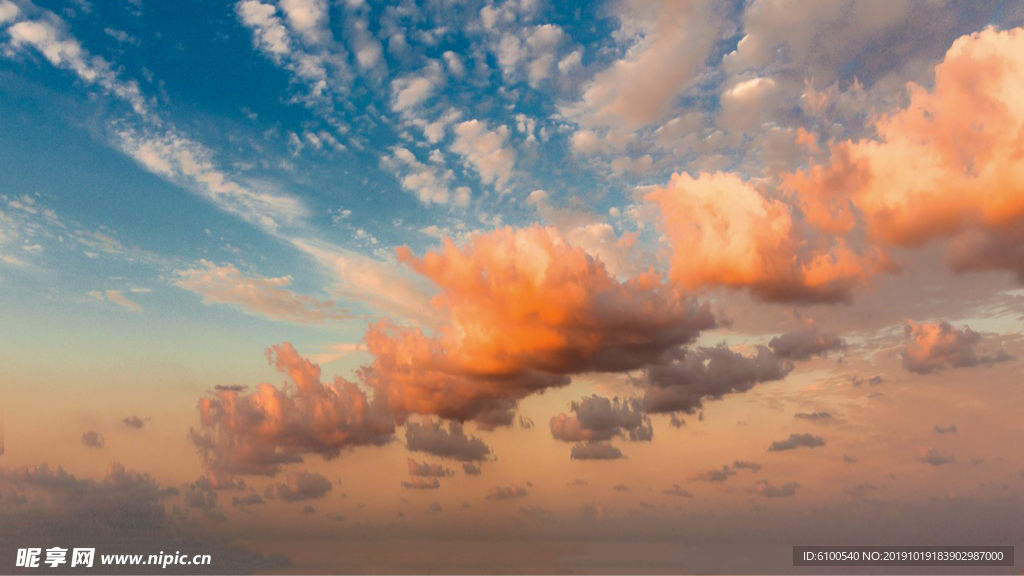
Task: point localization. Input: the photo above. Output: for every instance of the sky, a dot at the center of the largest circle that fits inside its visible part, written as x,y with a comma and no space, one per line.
328,286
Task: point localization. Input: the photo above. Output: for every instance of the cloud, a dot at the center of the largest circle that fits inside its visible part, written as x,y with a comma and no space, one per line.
411,90
951,429
712,475
92,439
819,417
268,297
766,489
683,379
806,342
124,512
116,297
666,45
525,310
134,422
302,486
675,490
427,469
307,17
874,380
964,183
506,493
933,347
933,457
723,232
745,465
454,443
486,150
597,418
471,469
797,441
258,432
420,483
251,499
595,451
430,183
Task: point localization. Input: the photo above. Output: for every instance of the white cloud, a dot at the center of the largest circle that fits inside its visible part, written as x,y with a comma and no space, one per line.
486,151
116,297
268,297
411,90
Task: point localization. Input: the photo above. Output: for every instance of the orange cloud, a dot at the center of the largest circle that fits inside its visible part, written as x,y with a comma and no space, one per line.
258,432
724,232
949,164
525,311
933,347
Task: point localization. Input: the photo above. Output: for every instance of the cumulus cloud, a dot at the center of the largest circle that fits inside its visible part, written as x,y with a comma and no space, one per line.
595,451
431,437
92,439
471,469
506,493
797,441
258,432
723,232
268,297
965,182
596,418
302,486
525,311
933,347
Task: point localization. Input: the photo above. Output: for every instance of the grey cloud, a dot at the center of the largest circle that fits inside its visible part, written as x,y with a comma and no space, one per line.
595,451
134,421
675,490
685,378
797,441
805,343
741,464
819,417
92,439
933,457
951,429
766,489
421,483
506,493
303,486
712,475
595,418
427,469
432,438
